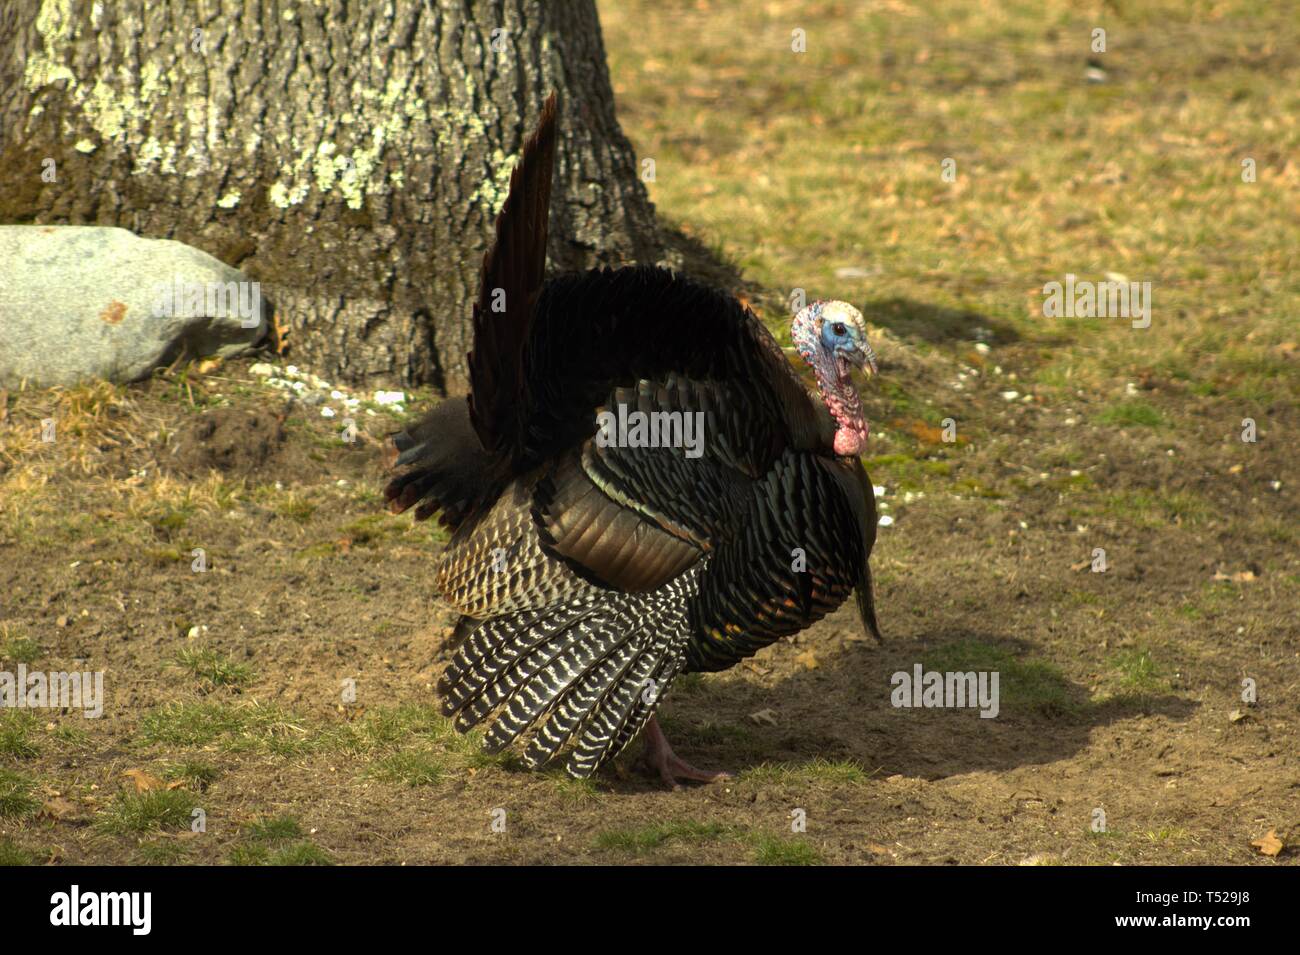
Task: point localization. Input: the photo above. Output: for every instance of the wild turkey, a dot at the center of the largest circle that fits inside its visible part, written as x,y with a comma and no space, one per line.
591,569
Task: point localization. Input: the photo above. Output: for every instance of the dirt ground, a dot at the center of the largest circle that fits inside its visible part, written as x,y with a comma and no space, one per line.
287,690
1121,691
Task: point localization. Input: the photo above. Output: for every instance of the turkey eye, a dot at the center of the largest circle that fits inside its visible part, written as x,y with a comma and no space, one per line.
838,328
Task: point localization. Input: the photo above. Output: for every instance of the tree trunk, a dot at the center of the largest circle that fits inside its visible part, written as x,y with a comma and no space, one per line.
351,156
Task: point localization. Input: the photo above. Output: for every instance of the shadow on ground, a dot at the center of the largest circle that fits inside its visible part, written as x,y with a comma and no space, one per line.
845,713
910,319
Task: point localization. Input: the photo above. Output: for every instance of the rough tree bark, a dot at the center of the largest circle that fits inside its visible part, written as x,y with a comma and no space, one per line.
349,155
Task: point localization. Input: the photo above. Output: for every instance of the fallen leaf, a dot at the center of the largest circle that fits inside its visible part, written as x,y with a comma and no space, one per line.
143,781
1269,845
279,334
1081,565
764,717
807,660
1240,576
58,808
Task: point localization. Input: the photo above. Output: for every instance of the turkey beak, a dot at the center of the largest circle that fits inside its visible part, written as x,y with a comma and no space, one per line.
863,358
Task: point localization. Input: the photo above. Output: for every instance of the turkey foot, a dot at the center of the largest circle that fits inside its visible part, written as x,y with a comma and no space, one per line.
660,758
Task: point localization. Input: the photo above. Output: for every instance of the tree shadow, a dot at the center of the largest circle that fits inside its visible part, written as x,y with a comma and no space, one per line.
905,317
937,324
701,261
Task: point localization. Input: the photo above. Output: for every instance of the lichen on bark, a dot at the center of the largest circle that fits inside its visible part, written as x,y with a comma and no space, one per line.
349,156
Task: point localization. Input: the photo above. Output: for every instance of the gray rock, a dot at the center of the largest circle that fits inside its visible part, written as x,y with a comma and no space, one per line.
80,302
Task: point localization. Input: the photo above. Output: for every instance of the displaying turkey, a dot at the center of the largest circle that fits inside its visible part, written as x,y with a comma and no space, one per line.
638,486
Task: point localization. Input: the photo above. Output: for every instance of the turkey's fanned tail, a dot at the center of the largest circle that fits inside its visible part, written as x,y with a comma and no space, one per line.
509,283
453,459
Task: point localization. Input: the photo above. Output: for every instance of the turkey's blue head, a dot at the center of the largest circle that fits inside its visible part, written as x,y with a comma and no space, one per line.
832,338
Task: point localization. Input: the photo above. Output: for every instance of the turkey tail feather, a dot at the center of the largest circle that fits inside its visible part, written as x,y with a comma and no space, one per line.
509,283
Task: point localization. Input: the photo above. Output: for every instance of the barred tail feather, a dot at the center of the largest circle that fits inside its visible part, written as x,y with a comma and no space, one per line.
492,654
551,671
587,674
619,717
570,712
646,703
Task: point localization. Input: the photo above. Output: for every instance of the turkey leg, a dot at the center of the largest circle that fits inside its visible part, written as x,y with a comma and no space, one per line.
660,758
